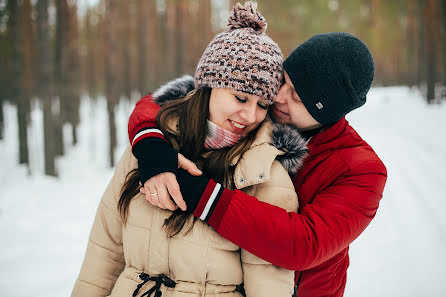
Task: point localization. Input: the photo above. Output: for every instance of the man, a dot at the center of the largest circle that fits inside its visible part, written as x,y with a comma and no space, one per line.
339,186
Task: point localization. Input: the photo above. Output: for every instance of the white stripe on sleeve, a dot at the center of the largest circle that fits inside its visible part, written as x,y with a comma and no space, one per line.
210,202
145,132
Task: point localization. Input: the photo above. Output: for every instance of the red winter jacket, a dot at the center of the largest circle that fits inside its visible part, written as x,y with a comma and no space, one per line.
339,189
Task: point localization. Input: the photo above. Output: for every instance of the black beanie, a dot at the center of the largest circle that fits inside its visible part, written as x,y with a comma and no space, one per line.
332,74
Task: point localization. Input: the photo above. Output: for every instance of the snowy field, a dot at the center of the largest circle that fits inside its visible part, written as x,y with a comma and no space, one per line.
45,222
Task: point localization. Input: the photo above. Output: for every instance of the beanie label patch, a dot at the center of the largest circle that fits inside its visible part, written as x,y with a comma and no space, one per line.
319,105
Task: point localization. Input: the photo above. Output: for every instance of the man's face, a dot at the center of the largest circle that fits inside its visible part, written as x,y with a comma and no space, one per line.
289,109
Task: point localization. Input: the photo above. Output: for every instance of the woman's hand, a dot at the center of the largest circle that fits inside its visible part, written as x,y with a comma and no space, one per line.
162,190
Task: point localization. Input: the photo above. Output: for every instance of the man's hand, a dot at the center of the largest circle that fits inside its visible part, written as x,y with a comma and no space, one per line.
160,188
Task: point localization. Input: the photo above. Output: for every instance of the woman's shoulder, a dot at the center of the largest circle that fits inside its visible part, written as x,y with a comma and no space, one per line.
273,143
279,190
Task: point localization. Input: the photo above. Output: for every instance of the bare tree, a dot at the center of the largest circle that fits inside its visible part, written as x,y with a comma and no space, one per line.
443,34
18,96
62,71
111,70
421,42
72,67
92,71
430,44
181,17
148,47
412,43
125,46
2,120
45,84
171,41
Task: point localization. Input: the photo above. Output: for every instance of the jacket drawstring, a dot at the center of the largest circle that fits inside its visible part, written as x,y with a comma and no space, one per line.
159,280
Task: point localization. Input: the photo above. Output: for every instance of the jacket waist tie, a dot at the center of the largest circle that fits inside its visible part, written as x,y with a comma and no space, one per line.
159,280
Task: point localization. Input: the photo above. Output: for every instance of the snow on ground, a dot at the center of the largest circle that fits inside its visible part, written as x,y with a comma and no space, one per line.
45,222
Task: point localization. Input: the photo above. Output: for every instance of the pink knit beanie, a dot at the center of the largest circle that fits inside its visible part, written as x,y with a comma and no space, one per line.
243,58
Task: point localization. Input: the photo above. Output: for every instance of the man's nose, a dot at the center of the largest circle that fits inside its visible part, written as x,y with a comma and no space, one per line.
281,95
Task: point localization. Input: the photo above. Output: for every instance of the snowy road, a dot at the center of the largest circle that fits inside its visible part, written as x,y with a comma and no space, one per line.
44,222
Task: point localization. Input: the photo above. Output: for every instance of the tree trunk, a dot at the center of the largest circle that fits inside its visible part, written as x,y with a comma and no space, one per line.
147,45
15,15
48,134
172,50
45,85
72,103
62,71
412,43
111,70
2,120
431,26
205,24
181,17
91,66
125,48
27,53
421,42
112,127
443,35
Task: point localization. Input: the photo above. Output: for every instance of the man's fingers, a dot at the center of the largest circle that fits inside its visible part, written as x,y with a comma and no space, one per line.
188,165
149,190
175,193
164,197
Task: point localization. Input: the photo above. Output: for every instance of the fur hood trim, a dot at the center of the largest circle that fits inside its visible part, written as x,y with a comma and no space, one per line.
284,137
288,139
174,89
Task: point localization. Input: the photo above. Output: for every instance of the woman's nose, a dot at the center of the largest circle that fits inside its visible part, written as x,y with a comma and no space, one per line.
249,113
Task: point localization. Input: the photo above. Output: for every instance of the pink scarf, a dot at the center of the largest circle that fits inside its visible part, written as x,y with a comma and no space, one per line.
218,137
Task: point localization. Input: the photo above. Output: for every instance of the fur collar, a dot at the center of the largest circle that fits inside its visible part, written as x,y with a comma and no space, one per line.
174,89
284,137
288,139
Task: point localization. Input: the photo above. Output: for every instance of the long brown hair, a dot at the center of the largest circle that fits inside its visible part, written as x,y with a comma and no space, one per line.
192,113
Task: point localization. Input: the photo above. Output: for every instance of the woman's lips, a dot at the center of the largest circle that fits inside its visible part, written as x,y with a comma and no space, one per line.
237,127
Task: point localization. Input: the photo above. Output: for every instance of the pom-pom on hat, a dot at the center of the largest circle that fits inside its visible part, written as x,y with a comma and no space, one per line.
243,58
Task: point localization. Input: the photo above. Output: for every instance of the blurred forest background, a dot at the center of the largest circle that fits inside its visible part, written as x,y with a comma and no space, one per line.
53,53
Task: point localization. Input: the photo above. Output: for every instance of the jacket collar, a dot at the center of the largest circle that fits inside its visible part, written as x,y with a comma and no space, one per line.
273,142
327,138
254,166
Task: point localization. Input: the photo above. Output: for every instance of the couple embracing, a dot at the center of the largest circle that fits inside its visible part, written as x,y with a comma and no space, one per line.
245,179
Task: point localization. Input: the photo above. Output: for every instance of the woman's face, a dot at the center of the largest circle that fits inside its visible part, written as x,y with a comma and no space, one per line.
236,111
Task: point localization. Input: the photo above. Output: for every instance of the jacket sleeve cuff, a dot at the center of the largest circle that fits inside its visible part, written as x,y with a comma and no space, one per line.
213,203
154,156
146,130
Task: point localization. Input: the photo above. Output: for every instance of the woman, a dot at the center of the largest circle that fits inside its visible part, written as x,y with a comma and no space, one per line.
137,249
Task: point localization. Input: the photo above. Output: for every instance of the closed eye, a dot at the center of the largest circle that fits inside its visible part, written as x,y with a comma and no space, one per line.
240,99
263,105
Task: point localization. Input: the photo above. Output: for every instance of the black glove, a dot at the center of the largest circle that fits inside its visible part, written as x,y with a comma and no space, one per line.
192,188
154,156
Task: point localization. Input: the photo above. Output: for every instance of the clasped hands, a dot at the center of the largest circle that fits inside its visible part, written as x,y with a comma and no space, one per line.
163,190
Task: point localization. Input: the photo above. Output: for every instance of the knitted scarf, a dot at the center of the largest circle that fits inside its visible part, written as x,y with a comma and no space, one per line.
218,137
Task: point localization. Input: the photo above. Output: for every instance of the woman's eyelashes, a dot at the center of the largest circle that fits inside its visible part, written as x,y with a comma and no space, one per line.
240,99
261,105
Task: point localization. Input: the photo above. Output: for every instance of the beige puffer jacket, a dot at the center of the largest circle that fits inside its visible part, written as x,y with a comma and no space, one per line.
201,263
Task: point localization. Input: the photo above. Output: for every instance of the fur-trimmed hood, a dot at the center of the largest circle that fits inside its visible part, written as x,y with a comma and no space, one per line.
174,89
283,136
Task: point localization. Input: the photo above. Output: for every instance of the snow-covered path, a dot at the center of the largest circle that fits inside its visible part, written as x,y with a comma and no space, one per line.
403,251
44,222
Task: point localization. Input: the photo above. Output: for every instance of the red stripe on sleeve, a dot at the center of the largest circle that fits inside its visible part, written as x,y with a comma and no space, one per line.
220,209
148,135
204,198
